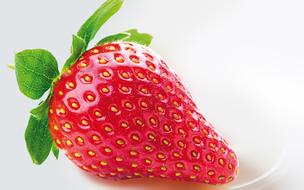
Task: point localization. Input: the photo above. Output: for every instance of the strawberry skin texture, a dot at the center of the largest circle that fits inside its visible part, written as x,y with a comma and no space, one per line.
120,112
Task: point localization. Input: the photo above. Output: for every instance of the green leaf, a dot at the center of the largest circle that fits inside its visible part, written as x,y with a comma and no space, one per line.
78,47
55,150
38,139
140,38
42,109
35,71
89,29
130,35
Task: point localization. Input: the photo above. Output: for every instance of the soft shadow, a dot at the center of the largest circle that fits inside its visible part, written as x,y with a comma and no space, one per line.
154,184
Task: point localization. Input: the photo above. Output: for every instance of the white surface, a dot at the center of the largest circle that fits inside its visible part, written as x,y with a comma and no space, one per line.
242,60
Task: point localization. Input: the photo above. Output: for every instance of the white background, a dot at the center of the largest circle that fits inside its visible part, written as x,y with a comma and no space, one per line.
242,61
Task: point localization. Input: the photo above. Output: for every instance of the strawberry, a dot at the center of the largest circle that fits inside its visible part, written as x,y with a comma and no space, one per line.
118,111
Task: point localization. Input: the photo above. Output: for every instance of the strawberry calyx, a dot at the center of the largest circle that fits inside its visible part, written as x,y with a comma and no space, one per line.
37,73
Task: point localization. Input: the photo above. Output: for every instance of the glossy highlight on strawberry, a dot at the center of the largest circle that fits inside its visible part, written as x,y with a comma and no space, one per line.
120,112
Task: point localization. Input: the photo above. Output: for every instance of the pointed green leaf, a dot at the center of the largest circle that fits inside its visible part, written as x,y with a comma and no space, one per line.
78,47
130,36
89,29
38,139
140,38
35,71
55,150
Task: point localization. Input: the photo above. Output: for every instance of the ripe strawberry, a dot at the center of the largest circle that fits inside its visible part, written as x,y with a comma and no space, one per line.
120,112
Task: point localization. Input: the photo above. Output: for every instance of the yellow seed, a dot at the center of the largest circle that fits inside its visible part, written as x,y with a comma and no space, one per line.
106,74
140,75
206,181
196,140
139,122
176,103
135,60
91,153
105,90
90,97
148,161
120,169
230,166
108,150
179,165
197,168
144,90
181,144
165,142
163,168
113,174
155,81
128,105
125,89
221,161
150,170
103,163
94,167
124,125
96,138
120,142
160,109
58,141
176,154
95,51
71,85
51,111
177,174
148,148
84,122
211,145
230,179
119,59
176,116
194,153
135,137
101,175
108,129
125,75
209,157
76,154
166,128
163,175
133,153
85,168
153,121
151,176
67,125
193,177
211,173
83,64
69,143
80,140
181,131
160,156
160,96
98,114
119,159
75,105
114,109
102,61
134,165
221,178
111,48
56,127
144,104
87,79
61,111
136,174
60,93
151,67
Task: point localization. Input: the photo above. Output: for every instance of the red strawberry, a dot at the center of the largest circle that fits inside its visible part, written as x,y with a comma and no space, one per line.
120,112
